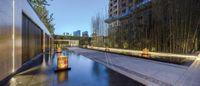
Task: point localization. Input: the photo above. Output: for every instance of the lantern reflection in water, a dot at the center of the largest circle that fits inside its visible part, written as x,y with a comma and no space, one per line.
62,76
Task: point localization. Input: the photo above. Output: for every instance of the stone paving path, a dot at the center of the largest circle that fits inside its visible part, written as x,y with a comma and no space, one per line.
148,72
192,76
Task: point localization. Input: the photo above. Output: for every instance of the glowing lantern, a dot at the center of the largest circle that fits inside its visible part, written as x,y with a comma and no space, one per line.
62,62
145,52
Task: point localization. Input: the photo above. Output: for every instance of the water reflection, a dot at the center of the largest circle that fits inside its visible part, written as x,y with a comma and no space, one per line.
97,69
49,60
44,65
62,76
84,72
89,73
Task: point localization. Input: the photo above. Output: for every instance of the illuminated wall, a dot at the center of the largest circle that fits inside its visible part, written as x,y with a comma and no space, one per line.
12,44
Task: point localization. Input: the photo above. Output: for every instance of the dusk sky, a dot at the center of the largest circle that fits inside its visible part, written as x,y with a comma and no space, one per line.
72,15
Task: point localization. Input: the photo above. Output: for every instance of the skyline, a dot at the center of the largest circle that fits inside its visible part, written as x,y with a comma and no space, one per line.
70,19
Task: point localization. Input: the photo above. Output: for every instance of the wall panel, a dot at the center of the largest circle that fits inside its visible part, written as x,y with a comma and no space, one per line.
31,39
6,38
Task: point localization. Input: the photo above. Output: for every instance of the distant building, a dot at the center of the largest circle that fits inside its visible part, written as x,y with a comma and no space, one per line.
66,42
85,34
77,33
120,11
66,34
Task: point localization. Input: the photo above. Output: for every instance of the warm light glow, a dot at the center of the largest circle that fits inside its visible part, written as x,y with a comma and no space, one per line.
199,55
13,79
198,58
44,65
13,38
44,42
136,52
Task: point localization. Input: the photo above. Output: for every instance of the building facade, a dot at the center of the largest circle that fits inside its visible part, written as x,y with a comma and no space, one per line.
65,42
77,33
120,10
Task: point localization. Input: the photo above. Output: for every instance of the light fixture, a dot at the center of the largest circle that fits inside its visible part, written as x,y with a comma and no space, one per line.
13,37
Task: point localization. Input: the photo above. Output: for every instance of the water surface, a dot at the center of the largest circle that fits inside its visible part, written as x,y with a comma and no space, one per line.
84,72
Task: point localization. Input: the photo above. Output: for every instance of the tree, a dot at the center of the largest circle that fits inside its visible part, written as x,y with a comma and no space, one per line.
99,30
45,16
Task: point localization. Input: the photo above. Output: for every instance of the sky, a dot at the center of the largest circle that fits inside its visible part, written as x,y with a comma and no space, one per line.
72,15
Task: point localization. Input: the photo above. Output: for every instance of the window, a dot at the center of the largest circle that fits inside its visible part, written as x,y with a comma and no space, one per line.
124,11
115,13
124,5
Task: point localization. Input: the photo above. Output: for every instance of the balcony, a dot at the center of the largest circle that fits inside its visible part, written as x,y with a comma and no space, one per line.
131,10
142,3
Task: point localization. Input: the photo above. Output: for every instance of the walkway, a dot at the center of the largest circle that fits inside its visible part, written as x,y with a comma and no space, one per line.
148,72
192,76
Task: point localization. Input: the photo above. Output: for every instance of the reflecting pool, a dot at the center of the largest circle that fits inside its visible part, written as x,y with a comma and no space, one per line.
84,72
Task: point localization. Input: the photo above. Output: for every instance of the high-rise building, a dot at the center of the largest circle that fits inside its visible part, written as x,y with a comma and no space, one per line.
85,34
77,33
66,34
120,11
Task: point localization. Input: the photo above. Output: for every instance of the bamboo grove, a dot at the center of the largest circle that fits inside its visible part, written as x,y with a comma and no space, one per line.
171,26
